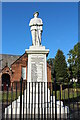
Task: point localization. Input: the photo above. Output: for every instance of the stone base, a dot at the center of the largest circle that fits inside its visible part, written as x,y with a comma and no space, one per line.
40,108
37,110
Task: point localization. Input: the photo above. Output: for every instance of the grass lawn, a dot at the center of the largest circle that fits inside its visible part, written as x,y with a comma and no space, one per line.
0,96
73,93
10,96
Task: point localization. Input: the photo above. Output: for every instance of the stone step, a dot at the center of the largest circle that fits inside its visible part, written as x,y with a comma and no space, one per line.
40,110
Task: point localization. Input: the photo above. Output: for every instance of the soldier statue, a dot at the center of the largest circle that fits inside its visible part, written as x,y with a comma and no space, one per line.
36,29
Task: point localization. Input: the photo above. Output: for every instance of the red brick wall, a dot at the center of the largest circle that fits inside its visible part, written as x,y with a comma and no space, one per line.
15,72
0,81
16,67
7,71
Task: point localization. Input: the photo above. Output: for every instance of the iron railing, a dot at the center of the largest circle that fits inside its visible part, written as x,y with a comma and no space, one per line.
41,100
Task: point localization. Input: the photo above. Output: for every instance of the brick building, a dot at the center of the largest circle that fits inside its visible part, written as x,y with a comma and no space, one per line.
13,67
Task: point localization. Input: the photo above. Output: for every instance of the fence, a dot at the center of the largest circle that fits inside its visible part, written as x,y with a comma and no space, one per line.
41,100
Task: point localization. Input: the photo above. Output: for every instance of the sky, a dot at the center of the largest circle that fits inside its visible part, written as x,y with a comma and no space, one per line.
60,26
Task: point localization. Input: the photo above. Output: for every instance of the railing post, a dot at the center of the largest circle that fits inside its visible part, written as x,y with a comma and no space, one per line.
11,99
21,97
60,99
52,102
55,95
7,100
2,99
16,102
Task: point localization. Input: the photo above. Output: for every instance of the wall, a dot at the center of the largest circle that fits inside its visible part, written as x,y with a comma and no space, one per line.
16,67
15,70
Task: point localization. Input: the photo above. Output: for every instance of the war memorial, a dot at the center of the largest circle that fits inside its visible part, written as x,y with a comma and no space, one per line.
37,98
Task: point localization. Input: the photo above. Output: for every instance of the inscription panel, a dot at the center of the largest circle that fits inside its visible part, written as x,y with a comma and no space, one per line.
37,63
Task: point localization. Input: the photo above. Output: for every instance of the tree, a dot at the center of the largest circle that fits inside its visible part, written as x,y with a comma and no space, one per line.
74,60
51,63
60,66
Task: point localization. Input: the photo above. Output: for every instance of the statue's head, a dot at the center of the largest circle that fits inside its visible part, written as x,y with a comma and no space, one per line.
36,14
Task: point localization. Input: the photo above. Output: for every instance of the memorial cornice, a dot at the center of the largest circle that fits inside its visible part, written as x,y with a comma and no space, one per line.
37,51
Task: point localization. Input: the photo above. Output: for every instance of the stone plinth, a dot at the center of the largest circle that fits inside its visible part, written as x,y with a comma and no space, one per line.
37,72
37,65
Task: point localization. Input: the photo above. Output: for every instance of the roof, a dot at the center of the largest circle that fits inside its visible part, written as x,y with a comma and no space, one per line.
7,59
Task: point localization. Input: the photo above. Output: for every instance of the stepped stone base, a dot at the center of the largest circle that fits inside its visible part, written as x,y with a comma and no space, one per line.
41,108
37,110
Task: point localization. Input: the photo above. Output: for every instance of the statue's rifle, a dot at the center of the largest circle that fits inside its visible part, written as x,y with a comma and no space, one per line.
38,33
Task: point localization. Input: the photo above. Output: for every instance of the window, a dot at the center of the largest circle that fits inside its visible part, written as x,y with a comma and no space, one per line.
23,72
